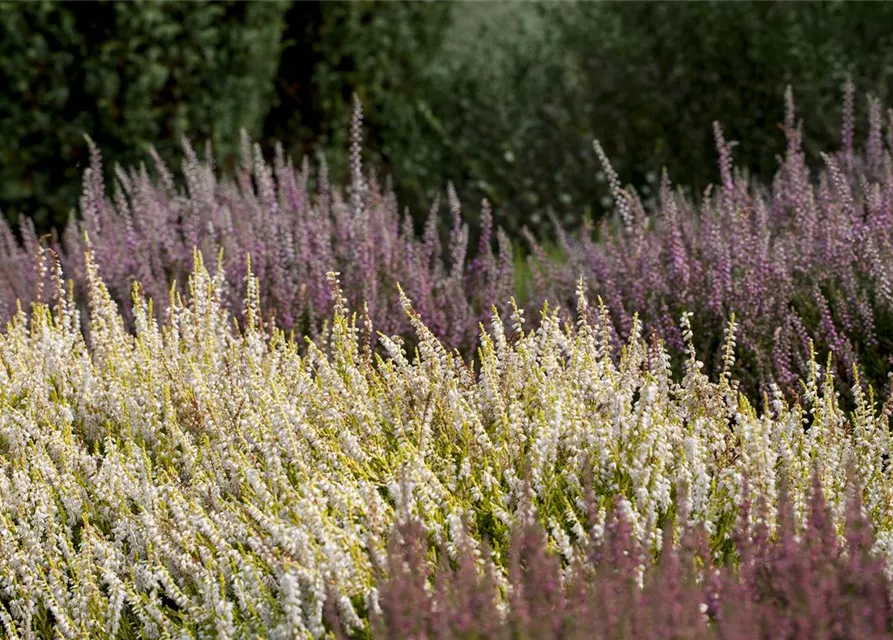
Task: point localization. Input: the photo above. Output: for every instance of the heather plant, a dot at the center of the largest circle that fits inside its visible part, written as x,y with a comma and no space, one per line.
800,261
295,227
200,476
795,584
803,260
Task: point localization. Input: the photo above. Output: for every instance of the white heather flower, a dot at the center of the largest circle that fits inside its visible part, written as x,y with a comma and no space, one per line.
349,615
561,539
291,602
218,457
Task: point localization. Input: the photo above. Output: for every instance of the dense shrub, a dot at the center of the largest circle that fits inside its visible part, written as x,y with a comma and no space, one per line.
804,259
502,118
194,478
378,51
651,86
128,75
797,584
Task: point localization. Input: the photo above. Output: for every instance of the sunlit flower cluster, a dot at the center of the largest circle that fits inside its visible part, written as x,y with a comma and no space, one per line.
201,476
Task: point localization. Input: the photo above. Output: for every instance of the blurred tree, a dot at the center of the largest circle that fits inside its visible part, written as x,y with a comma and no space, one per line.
520,92
129,75
381,51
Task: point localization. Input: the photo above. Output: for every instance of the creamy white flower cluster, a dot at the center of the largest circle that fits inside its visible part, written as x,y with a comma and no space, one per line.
197,479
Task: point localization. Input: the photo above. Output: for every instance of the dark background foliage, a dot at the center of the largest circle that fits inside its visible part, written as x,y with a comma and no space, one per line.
129,75
379,50
502,99
647,80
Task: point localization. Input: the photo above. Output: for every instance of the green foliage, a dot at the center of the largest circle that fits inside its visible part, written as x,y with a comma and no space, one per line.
520,94
655,88
504,131
381,52
129,75
501,99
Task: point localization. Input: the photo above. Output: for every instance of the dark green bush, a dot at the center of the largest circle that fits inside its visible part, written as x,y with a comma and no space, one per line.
383,52
129,75
661,73
518,100
502,129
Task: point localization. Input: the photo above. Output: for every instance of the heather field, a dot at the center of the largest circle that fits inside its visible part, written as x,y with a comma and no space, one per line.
269,406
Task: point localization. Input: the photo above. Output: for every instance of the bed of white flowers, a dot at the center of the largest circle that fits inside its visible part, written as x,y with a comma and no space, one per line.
197,479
